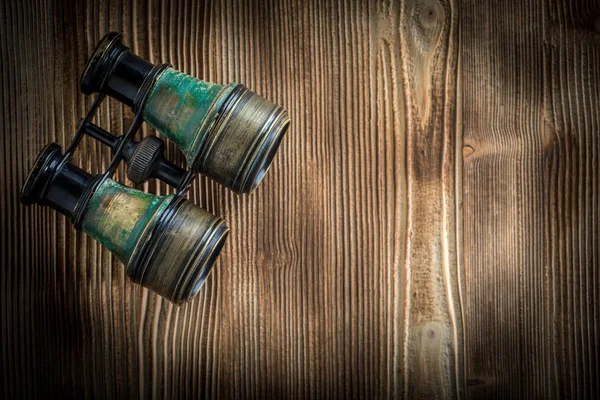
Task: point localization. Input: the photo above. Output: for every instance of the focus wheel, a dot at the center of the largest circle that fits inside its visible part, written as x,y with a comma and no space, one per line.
142,159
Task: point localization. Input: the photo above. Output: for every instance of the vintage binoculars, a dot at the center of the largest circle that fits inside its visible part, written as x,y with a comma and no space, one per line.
228,133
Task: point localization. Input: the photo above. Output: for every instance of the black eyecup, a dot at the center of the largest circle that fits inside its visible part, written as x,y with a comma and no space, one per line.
100,64
40,174
54,183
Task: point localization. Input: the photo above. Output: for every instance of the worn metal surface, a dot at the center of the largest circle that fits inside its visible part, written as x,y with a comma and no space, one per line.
242,141
182,108
227,133
117,216
170,254
182,253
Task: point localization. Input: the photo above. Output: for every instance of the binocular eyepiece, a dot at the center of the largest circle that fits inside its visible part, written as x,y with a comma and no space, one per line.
228,133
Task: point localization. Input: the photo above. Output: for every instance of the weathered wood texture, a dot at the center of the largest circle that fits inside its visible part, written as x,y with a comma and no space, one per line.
343,275
531,119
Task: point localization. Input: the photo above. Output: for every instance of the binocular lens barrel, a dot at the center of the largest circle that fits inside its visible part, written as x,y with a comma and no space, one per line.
227,133
181,256
168,244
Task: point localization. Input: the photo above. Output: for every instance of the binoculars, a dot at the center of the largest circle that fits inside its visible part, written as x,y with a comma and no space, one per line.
226,132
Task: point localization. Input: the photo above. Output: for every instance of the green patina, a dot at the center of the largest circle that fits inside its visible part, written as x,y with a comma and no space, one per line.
117,216
181,108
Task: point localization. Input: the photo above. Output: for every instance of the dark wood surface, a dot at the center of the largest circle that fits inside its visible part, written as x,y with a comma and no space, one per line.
430,227
531,124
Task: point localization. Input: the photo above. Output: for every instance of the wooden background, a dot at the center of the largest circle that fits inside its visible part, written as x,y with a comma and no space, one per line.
430,227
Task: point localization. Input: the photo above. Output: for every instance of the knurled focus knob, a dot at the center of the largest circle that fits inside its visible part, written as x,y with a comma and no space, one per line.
143,159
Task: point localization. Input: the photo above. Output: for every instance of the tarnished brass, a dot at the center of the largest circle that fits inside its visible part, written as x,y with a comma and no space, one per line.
184,253
226,132
167,243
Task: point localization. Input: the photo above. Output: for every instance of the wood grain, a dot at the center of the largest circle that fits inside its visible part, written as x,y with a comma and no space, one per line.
531,198
290,311
432,282
354,270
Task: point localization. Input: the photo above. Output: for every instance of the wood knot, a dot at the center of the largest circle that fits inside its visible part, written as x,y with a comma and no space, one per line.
428,16
431,335
467,150
427,19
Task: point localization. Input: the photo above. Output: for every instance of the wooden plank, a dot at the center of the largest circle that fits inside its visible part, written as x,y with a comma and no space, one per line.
531,81
432,365
343,273
309,297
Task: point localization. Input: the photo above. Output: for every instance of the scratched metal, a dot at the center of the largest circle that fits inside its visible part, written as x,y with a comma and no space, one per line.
117,216
182,107
227,133
186,252
240,147
122,219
